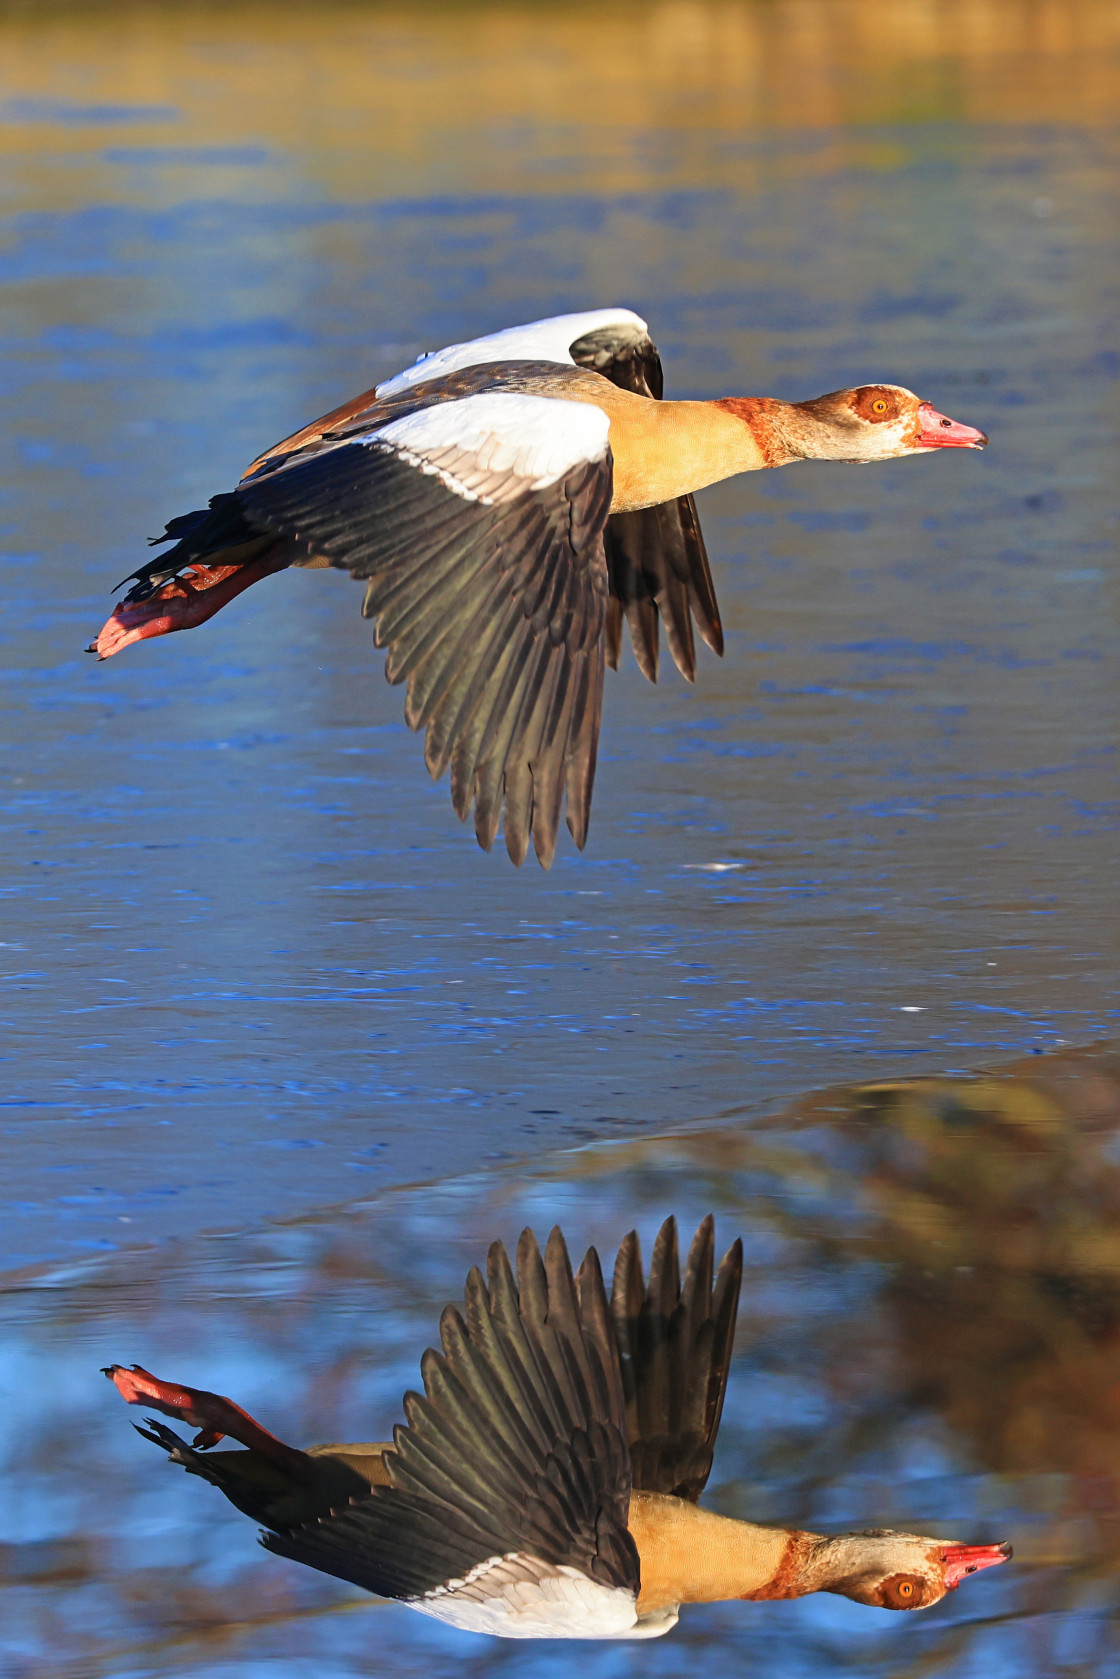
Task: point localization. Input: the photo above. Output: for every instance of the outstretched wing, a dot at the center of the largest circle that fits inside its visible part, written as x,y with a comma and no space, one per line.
656,557
477,523
510,1488
675,1342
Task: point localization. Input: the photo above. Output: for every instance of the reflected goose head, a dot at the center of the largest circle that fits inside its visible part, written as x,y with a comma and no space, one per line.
873,423
889,1570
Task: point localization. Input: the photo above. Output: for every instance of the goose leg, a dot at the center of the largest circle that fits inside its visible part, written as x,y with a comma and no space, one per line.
183,602
212,1415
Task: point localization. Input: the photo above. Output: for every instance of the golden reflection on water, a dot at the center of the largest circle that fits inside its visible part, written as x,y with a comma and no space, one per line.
381,99
930,1335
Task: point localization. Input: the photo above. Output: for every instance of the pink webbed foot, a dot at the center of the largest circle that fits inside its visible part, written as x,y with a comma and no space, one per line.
210,1413
184,601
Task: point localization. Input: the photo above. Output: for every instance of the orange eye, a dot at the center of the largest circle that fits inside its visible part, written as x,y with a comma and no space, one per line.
880,407
905,1589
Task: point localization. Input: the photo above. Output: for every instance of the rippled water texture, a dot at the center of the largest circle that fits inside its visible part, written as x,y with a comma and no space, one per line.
251,965
251,959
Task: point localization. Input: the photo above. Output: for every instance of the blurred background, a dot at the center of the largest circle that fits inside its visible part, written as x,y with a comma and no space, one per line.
257,980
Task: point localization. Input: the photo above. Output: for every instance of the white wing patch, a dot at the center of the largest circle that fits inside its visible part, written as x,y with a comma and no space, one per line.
547,340
494,446
519,1596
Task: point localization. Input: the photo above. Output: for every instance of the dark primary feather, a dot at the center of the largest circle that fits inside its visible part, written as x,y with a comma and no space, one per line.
675,1340
493,615
517,1444
211,534
656,558
624,354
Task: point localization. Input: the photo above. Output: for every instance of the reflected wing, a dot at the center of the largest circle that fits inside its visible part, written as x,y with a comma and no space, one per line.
675,1343
478,525
656,558
511,1481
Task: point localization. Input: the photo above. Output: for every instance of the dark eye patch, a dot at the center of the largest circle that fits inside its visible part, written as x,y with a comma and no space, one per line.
877,404
903,1591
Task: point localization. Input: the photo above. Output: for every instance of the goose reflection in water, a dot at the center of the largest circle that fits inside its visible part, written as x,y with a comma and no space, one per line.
928,1340
546,1485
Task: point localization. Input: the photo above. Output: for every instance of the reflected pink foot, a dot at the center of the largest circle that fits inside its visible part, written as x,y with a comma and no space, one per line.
210,1413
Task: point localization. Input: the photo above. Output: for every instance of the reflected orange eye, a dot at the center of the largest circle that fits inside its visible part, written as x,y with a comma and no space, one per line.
880,407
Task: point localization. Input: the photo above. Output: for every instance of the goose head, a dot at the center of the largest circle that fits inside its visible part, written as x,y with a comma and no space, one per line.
873,423
889,1570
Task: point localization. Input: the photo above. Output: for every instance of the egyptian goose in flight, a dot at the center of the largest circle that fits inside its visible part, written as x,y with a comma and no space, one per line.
546,1485
507,503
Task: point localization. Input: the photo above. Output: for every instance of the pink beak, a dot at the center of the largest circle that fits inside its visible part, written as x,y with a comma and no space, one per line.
963,1560
937,431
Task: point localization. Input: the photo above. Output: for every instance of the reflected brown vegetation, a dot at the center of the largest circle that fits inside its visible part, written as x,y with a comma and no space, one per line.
931,1263
991,1209
998,1221
997,1210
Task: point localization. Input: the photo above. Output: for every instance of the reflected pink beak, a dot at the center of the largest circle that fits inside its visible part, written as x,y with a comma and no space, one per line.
963,1560
937,431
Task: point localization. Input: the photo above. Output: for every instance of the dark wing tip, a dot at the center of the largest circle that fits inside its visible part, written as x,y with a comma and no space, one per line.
623,353
659,573
675,1337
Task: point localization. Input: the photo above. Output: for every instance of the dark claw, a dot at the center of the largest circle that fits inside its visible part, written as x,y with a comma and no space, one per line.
160,1435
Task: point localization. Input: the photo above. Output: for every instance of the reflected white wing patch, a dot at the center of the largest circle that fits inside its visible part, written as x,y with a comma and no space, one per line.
547,340
496,445
519,1596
